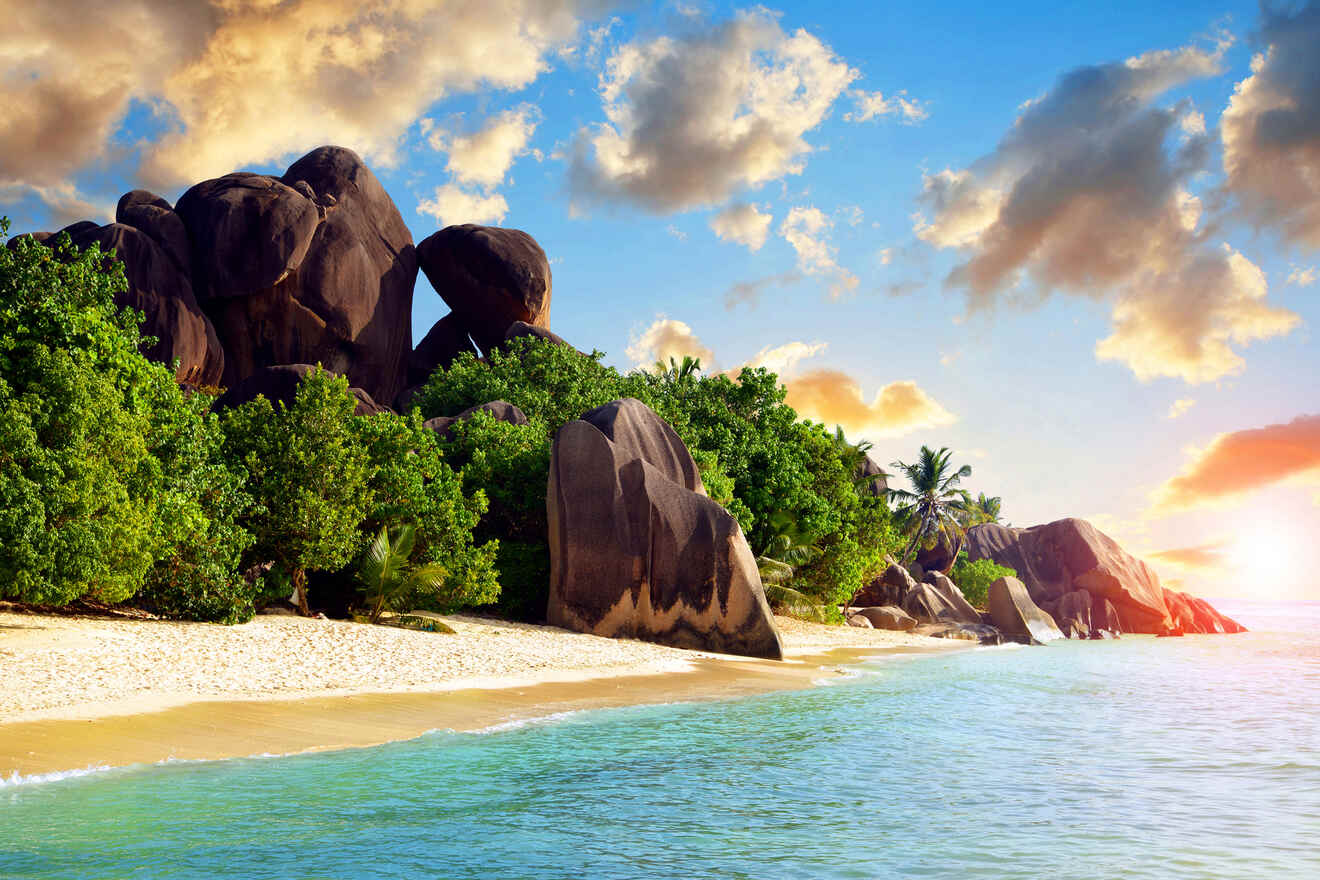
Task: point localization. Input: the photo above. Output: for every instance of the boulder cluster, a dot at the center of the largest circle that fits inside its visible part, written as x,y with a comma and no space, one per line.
248,279
1090,584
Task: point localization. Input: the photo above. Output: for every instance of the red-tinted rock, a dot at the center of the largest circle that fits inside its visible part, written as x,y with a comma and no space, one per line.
490,276
635,554
316,266
1071,554
874,477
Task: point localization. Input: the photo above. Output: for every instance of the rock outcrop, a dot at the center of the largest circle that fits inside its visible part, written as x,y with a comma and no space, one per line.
876,482
633,425
441,345
972,632
1014,614
148,238
520,329
316,266
950,593
889,617
500,409
635,553
1069,555
490,276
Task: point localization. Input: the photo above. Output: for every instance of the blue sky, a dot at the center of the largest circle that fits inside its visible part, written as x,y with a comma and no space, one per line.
1075,160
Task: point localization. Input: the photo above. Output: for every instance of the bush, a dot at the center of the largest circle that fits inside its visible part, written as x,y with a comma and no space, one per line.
975,578
106,467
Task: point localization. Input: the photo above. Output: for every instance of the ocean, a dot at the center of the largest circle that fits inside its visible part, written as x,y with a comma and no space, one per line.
1196,757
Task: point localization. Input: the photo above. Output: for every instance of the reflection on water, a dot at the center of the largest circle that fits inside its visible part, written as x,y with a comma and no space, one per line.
1168,758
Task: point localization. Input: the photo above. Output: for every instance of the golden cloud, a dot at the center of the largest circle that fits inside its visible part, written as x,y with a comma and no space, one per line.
665,339
1244,461
1203,556
835,398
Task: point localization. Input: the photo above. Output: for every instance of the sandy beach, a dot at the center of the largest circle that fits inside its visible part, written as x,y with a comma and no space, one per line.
81,692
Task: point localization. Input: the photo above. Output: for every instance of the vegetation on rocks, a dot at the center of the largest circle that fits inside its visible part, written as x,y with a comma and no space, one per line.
975,578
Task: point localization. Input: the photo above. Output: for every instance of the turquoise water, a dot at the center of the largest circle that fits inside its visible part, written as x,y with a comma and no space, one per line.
1168,758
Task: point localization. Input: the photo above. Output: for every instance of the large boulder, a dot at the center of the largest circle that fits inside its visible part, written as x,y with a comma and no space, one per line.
146,240
634,553
874,478
490,276
520,329
940,556
500,409
635,426
1073,615
949,591
925,604
889,617
1014,614
1071,554
316,266
279,384
890,588
441,345
981,633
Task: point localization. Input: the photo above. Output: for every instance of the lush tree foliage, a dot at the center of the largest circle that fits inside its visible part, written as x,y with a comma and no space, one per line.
756,457
935,508
975,578
103,460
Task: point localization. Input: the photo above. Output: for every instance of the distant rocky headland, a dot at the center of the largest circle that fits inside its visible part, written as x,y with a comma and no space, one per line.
249,280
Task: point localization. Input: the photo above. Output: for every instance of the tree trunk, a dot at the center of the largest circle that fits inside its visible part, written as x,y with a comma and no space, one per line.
300,592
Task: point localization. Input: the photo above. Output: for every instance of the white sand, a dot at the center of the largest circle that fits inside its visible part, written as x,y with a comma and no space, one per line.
70,667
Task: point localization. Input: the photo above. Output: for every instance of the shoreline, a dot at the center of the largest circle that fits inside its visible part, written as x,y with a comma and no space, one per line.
91,723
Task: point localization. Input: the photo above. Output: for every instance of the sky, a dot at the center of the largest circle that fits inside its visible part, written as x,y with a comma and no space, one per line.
1078,244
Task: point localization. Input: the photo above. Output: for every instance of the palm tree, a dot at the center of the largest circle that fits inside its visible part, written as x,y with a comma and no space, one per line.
854,457
983,510
678,371
936,506
387,576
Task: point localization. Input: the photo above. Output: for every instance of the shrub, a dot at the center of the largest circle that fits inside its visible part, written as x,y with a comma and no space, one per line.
975,578
110,476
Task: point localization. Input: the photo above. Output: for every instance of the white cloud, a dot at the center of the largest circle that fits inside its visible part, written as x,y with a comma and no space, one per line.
240,82
807,230
1302,276
484,157
1271,128
692,120
873,105
743,224
451,205
749,292
1179,407
675,232
783,359
1088,194
666,338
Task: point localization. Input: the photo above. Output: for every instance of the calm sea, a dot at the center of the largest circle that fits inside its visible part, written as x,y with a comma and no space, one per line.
1169,758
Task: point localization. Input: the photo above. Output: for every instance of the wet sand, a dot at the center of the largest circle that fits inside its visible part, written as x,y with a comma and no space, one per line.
137,700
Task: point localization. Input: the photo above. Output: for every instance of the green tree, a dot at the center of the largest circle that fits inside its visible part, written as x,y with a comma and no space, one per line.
975,578
310,475
104,462
935,506
412,484
389,579
982,509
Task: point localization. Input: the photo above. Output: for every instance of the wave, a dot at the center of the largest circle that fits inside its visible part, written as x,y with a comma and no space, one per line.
16,779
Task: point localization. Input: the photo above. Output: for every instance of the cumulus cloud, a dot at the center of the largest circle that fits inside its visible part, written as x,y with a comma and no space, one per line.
238,82
693,119
873,105
1271,128
665,339
451,204
1088,194
742,224
1179,407
835,398
750,292
484,157
807,230
1243,461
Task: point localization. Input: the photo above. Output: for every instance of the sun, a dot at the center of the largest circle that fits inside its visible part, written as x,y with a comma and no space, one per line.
1265,551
